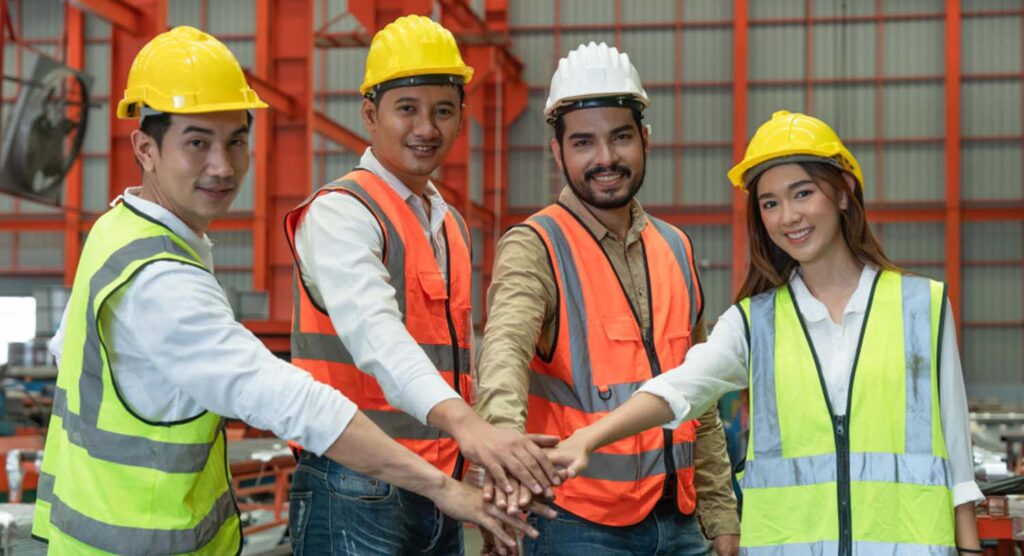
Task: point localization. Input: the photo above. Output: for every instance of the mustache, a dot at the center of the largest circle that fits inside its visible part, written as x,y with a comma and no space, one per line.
626,172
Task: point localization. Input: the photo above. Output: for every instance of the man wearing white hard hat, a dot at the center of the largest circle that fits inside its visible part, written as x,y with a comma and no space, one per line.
590,297
152,359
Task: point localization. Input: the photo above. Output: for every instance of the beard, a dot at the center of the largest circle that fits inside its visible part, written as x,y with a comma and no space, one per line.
603,201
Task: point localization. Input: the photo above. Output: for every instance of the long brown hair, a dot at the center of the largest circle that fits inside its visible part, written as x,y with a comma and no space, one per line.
770,266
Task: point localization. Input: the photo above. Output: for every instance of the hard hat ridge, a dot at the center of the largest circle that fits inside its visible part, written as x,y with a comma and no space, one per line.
413,50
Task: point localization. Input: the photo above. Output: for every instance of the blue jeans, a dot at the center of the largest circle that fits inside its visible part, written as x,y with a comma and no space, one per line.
335,510
664,531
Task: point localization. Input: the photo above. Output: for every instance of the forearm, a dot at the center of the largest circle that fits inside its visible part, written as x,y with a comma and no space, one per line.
453,416
365,448
639,413
967,527
716,502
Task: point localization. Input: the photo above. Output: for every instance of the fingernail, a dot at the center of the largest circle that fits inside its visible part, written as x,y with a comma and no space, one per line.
537,489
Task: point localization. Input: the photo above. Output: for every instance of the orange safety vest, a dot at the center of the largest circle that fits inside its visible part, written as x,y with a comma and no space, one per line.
601,356
436,314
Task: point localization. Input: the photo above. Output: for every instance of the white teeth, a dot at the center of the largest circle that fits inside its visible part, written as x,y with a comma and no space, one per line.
607,178
799,235
422,149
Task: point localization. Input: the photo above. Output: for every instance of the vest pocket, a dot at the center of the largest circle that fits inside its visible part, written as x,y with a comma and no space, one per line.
679,343
432,283
619,357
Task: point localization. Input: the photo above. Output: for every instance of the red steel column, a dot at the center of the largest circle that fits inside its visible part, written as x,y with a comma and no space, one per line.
284,146
953,208
739,139
75,26
126,39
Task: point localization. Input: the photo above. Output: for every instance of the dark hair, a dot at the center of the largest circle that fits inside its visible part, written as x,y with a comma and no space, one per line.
770,266
560,125
375,99
156,125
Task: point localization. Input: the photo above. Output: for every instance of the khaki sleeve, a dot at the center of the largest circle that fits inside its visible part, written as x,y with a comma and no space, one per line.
520,303
716,501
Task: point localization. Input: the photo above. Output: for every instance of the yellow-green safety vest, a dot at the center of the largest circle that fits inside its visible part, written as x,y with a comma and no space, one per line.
873,481
112,481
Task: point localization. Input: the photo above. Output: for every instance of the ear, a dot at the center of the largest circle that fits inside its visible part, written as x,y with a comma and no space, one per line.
145,149
556,151
851,183
369,114
646,134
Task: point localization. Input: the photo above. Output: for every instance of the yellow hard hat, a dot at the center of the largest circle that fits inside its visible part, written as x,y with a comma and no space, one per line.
186,71
793,137
413,50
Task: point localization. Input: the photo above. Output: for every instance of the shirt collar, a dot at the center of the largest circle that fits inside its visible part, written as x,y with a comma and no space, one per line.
814,310
203,246
369,162
572,202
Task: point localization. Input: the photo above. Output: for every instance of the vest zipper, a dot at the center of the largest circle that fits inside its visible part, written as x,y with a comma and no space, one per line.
842,435
459,460
670,460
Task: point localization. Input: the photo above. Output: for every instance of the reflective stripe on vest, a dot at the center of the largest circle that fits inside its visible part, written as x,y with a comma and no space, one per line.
577,385
910,472
419,287
178,467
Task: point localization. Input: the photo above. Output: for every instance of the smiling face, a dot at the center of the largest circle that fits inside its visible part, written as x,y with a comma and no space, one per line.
196,169
412,129
603,154
800,218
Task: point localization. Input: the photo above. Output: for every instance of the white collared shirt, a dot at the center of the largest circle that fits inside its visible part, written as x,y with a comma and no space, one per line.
719,366
340,244
176,350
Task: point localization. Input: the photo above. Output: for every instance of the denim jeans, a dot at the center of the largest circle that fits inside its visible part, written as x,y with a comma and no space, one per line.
664,531
335,510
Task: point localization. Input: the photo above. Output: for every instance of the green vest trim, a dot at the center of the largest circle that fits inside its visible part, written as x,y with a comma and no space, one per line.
112,481
887,451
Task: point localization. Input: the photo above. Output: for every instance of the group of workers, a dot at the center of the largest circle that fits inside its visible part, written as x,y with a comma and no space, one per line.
596,381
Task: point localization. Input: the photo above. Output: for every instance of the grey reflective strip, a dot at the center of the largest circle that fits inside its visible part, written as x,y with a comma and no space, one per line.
764,418
587,400
822,548
402,425
917,347
907,469
671,236
786,472
395,260
90,382
632,467
135,540
463,229
44,488
125,449
575,310
865,548
328,347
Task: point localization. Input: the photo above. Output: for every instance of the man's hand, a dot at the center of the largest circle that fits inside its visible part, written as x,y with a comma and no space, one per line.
466,503
727,545
510,504
497,450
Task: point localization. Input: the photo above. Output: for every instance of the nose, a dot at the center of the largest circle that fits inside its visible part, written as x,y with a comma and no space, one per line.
605,155
425,127
790,215
218,164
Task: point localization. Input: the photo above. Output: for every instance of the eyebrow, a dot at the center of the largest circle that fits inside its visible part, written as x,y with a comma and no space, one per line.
208,131
621,128
789,187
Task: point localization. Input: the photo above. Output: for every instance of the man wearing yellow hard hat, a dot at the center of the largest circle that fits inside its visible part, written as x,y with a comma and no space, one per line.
151,358
383,310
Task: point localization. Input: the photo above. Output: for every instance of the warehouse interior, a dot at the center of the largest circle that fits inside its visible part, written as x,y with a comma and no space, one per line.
928,94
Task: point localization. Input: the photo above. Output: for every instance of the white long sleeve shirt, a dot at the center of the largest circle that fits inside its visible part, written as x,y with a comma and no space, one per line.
176,350
340,245
719,365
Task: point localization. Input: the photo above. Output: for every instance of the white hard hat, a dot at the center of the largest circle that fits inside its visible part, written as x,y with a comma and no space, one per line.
594,75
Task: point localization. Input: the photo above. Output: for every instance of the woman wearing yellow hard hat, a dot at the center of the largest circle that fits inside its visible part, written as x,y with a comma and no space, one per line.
858,423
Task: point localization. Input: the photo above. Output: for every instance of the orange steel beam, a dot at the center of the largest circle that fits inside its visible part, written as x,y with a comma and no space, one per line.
75,29
284,145
952,155
279,100
129,16
740,29
125,43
